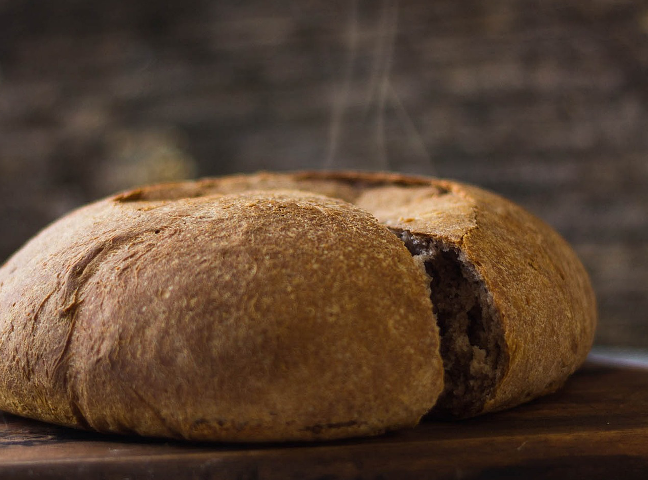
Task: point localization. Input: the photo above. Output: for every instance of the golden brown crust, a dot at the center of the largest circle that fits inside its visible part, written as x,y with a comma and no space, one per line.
89,343
245,317
540,291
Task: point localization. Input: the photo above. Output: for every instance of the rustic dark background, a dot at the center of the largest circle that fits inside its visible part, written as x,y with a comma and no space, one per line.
544,101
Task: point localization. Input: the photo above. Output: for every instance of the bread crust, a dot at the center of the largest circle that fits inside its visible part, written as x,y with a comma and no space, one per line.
538,288
93,337
244,317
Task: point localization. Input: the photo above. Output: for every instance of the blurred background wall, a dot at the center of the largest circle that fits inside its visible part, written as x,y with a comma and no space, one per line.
543,101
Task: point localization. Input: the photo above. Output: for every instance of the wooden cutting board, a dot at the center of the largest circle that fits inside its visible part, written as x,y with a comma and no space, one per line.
594,428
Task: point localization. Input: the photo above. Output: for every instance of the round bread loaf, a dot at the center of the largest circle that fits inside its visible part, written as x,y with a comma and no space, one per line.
289,307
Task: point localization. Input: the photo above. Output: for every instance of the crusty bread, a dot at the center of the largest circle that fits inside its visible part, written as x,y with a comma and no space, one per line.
266,307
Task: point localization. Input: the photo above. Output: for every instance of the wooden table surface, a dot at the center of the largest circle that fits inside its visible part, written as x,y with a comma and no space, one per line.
596,427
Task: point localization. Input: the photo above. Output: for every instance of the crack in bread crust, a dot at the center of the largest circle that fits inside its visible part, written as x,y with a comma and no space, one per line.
471,336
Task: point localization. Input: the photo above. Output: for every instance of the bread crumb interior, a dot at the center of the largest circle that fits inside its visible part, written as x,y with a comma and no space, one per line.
470,332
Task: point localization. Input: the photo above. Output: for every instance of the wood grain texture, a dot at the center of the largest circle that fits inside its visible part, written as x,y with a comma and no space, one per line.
596,427
543,101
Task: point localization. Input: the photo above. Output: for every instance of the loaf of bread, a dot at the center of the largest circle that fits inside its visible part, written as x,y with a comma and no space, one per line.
277,307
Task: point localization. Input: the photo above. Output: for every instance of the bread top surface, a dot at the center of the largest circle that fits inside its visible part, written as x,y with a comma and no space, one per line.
245,316
538,287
